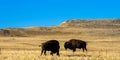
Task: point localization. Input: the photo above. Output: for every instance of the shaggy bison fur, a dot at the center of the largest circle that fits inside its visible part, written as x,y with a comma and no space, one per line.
75,43
51,45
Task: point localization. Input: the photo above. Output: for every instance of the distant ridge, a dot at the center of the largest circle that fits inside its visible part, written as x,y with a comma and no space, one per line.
95,27
99,23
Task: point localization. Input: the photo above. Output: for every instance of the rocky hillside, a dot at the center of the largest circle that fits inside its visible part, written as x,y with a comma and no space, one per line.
102,27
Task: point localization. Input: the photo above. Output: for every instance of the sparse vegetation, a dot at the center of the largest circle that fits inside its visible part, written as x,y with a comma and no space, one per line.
23,43
110,27
26,48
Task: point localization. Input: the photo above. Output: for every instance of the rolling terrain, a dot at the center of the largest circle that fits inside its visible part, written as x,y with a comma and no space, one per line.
105,27
102,37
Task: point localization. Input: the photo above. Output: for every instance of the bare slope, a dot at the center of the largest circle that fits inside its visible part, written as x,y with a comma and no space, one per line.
99,23
102,27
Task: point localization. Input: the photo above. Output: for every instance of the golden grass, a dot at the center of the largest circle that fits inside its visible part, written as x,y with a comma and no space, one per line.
26,48
35,55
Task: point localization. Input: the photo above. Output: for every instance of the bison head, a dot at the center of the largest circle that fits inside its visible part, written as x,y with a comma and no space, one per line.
67,45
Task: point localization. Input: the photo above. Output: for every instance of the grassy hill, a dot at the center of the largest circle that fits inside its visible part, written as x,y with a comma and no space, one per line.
102,37
98,23
98,27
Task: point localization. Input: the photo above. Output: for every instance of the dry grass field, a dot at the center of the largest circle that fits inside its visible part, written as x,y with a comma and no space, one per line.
26,48
102,37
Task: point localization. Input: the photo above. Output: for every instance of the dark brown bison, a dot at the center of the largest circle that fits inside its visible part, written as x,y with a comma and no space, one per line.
75,43
51,45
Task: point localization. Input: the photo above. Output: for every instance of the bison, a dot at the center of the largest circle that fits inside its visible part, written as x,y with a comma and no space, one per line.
75,43
51,45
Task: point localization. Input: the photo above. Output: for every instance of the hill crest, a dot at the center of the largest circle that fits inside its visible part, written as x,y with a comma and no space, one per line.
105,27
99,23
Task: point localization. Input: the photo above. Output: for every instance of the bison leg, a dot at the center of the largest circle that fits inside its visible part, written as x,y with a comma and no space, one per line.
74,49
85,48
42,51
45,52
58,53
51,53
